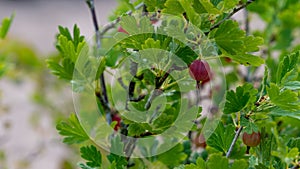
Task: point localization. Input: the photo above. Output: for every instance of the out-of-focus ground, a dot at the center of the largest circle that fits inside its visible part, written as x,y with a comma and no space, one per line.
28,138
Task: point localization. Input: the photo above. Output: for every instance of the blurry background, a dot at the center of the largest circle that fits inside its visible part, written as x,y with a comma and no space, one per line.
32,100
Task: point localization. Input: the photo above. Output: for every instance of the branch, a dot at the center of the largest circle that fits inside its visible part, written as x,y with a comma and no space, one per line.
113,23
237,134
235,10
157,91
153,95
91,5
133,72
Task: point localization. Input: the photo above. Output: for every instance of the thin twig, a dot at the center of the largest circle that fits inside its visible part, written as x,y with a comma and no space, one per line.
113,23
235,10
198,93
237,134
129,146
157,91
91,5
247,21
247,29
133,72
153,95
139,98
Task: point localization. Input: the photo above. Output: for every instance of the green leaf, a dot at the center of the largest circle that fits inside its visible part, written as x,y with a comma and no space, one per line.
265,9
200,164
173,157
76,39
229,37
180,167
233,42
265,148
237,101
129,4
5,25
151,43
261,166
292,85
163,122
192,15
129,24
240,164
175,30
157,165
247,59
285,113
216,161
292,154
117,146
92,155
72,130
64,71
221,138
117,155
252,43
69,48
288,18
120,162
173,7
294,142
284,38
84,166
287,65
286,99
153,5
186,54
249,127
227,5
209,7
198,7
101,67
136,129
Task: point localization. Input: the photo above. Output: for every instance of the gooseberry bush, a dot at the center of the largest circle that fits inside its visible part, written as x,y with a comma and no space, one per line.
181,84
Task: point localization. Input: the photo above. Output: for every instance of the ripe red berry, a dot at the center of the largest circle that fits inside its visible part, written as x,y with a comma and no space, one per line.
251,140
199,141
120,29
200,71
117,118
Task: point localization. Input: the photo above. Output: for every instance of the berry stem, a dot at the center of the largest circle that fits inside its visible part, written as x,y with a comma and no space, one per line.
198,90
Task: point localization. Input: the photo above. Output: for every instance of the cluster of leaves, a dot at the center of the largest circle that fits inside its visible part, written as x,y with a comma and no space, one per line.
69,48
4,27
269,107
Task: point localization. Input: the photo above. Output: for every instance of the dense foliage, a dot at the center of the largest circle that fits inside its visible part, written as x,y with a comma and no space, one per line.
155,115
